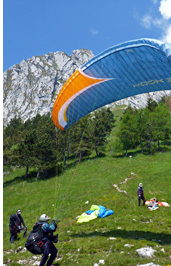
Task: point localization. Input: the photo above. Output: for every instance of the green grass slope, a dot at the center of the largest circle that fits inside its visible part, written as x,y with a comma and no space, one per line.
91,182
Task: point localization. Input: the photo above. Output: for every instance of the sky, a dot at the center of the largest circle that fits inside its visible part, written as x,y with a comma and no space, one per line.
38,27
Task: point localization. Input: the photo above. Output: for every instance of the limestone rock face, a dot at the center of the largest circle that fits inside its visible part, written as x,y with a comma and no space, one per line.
31,87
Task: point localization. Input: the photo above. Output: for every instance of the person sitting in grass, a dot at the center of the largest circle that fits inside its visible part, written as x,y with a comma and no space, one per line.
15,225
153,204
141,194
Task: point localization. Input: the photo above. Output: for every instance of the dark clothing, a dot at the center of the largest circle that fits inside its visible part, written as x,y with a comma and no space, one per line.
13,236
16,220
49,247
141,196
15,226
139,200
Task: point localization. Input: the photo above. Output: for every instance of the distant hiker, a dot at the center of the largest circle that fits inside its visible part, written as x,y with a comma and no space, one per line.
141,194
48,239
15,225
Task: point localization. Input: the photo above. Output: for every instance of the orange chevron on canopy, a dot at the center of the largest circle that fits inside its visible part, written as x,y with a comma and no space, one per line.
76,84
130,68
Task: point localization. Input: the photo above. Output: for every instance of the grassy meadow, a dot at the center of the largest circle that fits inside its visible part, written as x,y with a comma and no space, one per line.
89,183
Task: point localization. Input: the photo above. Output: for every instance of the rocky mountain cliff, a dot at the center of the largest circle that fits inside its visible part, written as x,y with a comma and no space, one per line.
31,87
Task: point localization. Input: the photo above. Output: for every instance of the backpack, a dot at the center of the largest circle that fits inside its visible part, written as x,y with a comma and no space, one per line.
34,243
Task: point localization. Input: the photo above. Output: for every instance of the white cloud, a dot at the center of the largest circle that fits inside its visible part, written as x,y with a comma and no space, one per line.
167,35
146,21
158,22
154,1
94,31
162,20
165,9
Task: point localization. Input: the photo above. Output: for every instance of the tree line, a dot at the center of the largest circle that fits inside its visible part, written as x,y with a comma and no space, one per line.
146,128
39,144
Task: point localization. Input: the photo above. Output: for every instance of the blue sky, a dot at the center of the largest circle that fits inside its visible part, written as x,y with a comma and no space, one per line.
37,27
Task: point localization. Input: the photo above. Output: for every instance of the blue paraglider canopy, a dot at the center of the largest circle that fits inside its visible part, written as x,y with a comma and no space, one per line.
122,71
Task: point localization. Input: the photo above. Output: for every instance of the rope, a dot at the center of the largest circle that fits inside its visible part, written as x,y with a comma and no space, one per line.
71,179
120,93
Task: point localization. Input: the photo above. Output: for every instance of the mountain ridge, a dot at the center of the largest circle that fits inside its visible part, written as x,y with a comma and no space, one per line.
31,87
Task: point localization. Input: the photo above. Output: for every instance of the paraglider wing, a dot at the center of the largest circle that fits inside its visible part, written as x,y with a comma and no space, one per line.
122,71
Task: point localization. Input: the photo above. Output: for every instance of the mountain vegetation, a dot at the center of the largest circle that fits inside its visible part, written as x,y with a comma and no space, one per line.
64,173
35,143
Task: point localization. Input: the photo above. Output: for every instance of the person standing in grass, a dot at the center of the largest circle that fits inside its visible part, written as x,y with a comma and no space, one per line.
48,239
141,194
15,225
